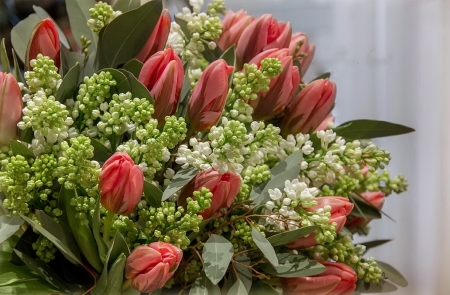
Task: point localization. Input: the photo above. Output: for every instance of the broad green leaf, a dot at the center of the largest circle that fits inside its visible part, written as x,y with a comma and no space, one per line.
217,254
366,129
68,60
229,56
78,12
89,67
125,36
21,34
290,236
9,226
125,5
293,266
290,162
123,86
180,179
212,55
265,246
101,152
137,88
26,135
6,68
69,84
326,75
115,276
238,288
17,74
366,288
243,273
364,209
183,26
118,246
259,287
133,66
43,14
152,194
373,244
101,245
392,274
203,286
19,148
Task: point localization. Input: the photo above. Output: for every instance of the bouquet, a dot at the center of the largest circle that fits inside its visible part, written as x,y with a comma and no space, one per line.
182,154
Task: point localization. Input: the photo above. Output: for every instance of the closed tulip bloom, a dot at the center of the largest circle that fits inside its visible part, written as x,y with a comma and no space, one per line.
10,108
150,267
209,96
157,40
338,279
224,188
281,89
262,34
300,48
233,24
309,108
163,76
121,184
354,222
44,40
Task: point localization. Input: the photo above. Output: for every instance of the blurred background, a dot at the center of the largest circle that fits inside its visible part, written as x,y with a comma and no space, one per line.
390,60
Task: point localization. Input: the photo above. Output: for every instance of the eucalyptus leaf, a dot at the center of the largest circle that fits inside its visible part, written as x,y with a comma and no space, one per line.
17,74
243,273
392,274
134,66
115,276
185,90
118,246
137,88
26,135
69,84
238,288
179,180
373,244
125,5
9,226
293,266
78,12
290,236
217,254
366,129
265,246
183,26
326,75
229,56
366,288
19,148
203,286
6,68
21,34
152,194
68,60
212,54
259,287
364,209
43,14
101,152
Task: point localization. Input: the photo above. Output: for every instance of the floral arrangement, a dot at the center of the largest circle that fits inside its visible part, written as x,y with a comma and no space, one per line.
175,154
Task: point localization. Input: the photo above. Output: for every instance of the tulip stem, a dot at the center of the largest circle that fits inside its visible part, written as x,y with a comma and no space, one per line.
108,224
126,284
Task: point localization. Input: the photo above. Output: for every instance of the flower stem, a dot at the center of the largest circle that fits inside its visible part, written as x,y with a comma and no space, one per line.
108,224
126,284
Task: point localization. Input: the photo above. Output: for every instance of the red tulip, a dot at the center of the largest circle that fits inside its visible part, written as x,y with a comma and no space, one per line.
44,40
121,184
233,24
157,40
299,47
150,267
338,279
354,222
340,208
281,89
262,34
309,108
224,188
327,123
163,76
10,108
209,96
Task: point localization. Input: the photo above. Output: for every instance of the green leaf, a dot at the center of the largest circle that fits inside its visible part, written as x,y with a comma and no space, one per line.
125,36
229,56
125,5
19,148
78,12
43,14
293,266
212,55
183,26
373,244
366,129
17,74
265,246
115,276
21,34
123,86
101,152
364,209
185,90
4,58
9,226
180,179
392,274
152,194
137,88
290,236
238,288
217,254
203,286
69,60
326,75
260,287
243,273
385,287
101,245
69,84
134,66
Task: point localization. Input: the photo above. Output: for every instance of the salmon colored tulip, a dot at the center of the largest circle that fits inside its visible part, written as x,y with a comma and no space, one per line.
340,208
163,76
44,40
281,89
233,24
262,34
354,222
327,123
224,188
150,267
209,96
157,40
121,184
338,279
10,108
309,108
300,48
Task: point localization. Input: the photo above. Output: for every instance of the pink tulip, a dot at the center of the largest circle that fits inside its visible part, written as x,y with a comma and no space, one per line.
150,267
309,108
224,188
338,279
121,184
163,76
340,208
209,96
281,89
157,40
262,34
354,222
327,123
233,24
44,40
300,48
10,108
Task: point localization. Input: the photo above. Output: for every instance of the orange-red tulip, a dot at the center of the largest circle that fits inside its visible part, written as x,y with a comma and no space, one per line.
299,47
44,40
10,108
233,24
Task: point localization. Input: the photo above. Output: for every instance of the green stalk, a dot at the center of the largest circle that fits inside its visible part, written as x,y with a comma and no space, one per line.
108,225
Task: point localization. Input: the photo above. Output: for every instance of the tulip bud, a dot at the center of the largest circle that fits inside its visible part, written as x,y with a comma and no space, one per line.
300,48
327,123
224,188
163,76
233,24
209,96
281,88
354,222
309,108
44,40
340,208
10,108
150,267
121,184
338,278
262,34
157,40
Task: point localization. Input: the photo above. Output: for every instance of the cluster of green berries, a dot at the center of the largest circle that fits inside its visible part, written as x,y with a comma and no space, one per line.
101,15
44,75
44,248
84,207
216,7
